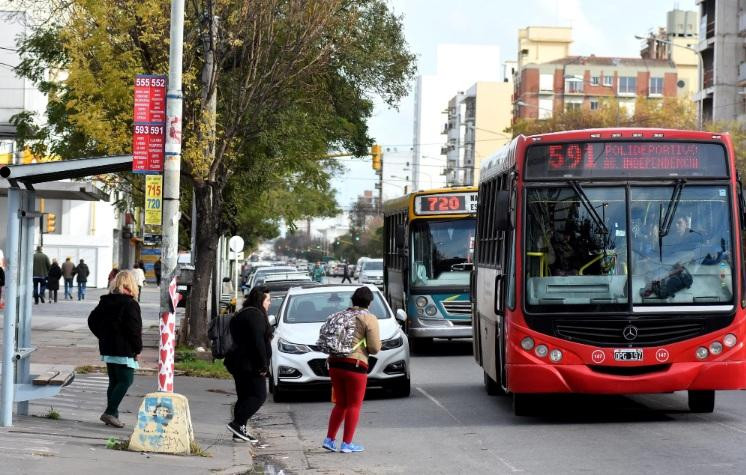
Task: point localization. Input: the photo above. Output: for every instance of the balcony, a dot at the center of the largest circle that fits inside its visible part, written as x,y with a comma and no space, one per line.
708,78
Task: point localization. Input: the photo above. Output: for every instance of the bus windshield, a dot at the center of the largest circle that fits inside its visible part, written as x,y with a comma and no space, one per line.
442,252
577,243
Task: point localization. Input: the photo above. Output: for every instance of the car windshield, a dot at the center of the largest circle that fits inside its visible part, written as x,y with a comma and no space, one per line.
577,247
373,265
442,252
315,307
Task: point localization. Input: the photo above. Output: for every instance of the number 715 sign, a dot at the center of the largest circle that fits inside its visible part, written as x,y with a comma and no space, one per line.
153,199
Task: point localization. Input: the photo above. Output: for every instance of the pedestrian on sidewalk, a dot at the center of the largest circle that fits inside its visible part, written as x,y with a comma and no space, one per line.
68,270
53,280
117,323
157,271
248,360
349,374
139,277
81,277
40,272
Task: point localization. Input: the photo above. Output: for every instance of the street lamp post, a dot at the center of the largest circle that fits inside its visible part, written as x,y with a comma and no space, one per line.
701,70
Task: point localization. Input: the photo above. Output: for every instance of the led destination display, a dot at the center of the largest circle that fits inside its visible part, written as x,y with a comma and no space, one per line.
626,159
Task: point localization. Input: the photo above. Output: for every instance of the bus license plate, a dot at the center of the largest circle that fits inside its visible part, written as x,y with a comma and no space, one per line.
628,354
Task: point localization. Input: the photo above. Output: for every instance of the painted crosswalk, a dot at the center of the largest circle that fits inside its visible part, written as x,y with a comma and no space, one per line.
76,399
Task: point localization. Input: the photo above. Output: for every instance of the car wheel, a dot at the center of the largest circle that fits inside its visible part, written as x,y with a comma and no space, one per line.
401,388
702,401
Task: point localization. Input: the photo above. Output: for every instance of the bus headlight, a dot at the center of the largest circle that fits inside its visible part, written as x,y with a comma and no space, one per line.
431,311
702,353
527,343
730,340
541,351
555,355
420,301
716,347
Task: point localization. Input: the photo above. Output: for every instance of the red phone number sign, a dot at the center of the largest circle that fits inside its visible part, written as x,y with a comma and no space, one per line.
149,130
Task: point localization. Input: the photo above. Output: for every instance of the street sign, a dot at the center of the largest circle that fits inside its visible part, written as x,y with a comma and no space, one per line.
236,243
153,201
149,129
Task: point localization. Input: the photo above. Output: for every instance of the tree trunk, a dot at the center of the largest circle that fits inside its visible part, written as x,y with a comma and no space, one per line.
209,206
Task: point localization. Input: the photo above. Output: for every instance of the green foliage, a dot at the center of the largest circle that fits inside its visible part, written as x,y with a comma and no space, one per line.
737,131
669,113
52,414
189,364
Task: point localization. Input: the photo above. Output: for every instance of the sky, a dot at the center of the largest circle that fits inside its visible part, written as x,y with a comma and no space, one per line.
600,27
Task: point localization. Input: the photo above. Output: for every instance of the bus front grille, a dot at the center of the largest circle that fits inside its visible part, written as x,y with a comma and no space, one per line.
648,332
458,307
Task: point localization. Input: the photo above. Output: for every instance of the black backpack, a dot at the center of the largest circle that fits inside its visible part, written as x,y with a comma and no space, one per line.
219,333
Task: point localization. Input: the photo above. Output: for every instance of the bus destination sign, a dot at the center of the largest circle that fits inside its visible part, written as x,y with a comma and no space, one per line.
445,203
626,159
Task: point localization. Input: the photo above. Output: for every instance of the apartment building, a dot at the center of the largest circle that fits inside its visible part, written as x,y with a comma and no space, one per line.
477,119
582,82
722,47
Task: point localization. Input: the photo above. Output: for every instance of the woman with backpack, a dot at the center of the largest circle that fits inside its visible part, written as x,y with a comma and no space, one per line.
248,360
349,373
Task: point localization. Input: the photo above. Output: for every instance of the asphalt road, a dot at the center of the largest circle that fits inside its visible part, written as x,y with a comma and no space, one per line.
450,425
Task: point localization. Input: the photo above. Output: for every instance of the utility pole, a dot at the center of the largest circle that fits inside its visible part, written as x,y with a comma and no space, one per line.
172,162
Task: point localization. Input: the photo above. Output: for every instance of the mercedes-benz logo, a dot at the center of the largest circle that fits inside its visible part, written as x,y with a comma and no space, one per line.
630,332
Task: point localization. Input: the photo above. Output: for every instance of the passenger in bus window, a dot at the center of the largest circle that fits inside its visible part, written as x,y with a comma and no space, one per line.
683,241
564,259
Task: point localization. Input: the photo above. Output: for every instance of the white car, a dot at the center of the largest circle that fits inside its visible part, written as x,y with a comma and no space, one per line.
297,362
371,272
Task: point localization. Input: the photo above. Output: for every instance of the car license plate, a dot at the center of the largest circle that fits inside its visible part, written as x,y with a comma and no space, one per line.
628,354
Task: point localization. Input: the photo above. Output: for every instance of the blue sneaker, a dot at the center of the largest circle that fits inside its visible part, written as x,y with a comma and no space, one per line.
329,445
349,448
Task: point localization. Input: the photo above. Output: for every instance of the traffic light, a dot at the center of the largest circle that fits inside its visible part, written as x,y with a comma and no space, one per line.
51,222
375,152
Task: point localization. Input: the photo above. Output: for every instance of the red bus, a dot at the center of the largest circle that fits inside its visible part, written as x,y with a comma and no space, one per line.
609,261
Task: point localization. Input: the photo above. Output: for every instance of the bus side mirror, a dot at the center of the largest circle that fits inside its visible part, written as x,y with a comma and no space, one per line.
504,211
399,236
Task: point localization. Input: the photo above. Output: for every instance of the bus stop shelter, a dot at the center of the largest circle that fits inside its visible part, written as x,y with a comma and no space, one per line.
24,184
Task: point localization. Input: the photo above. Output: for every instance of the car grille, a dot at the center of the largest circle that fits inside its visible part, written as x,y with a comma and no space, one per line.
319,368
458,307
650,332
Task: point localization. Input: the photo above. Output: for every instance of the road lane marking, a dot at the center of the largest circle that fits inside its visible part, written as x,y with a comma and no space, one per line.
507,464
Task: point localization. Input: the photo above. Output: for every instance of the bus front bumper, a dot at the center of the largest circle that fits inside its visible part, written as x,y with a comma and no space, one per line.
439,328
545,378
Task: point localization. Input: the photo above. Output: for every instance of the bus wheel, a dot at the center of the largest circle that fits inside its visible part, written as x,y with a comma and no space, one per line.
523,404
493,387
702,401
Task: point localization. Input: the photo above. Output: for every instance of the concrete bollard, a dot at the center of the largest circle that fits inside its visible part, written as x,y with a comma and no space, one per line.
164,425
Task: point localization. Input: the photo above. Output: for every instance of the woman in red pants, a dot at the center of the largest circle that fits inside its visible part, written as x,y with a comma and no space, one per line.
349,374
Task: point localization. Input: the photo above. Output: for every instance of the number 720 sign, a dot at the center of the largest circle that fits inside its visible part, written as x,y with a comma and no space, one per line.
153,199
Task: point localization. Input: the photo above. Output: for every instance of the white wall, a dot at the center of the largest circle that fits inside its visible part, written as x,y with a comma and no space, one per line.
458,67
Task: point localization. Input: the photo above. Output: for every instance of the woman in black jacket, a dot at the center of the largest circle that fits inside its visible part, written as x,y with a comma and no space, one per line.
53,280
117,324
248,360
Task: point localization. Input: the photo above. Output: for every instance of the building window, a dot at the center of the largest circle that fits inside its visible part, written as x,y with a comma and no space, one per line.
546,82
545,108
572,106
656,86
574,86
595,80
607,80
594,104
627,85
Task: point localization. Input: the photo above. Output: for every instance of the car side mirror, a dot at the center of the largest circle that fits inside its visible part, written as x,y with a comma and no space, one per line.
401,315
272,320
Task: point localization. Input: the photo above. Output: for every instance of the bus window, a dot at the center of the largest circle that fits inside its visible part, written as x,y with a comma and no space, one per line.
576,246
691,261
442,252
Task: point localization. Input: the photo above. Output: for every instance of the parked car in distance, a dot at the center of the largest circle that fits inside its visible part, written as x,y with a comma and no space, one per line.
371,272
359,264
294,276
297,363
264,271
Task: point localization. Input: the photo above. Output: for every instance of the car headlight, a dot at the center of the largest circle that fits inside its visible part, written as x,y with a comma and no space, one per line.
292,348
392,343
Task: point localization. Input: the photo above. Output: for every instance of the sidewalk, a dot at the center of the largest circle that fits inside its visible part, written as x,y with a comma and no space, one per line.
76,442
